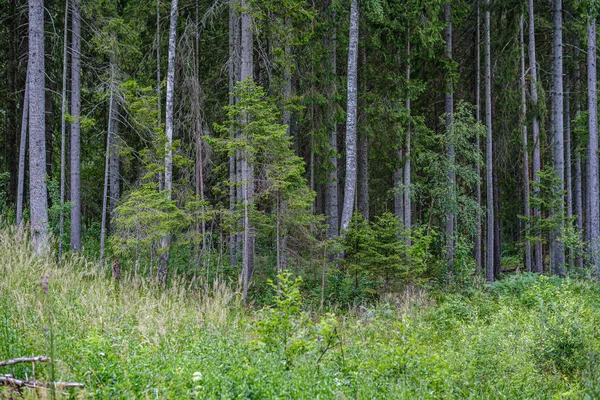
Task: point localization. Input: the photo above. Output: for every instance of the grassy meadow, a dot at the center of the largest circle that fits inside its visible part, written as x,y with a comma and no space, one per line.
526,337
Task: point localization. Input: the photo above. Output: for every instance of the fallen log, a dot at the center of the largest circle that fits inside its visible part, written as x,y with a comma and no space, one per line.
19,383
24,360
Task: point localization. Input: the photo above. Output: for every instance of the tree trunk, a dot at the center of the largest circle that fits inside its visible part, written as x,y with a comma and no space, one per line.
247,169
164,258
63,112
525,146
538,264
37,138
592,171
363,149
489,150
233,60
558,250
331,202
350,183
114,173
22,150
449,102
478,233
75,149
407,200
568,169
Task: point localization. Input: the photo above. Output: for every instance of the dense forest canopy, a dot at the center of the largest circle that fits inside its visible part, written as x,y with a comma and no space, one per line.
366,145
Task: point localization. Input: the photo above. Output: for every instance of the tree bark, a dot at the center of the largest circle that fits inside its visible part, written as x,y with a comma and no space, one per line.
558,250
22,150
449,108
489,150
247,169
37,144
568,168
164,258
525,145
363,149
75,150
233,61
63,112
407,200
331,202
478,233
593,191
350,183
538,263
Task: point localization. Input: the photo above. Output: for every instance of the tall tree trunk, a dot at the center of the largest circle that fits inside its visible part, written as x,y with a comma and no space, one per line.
22,150
407,201
63,112
158,81
363,149
578,195
449,101
37,138
164,258
525,146
558,249
538,264
199,143
350,183
568,168
593,191
489,150
75,149
233,60
114,173
478,233
246,72
331,201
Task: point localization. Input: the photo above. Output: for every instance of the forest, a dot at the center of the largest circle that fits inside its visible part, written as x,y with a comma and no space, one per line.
299,199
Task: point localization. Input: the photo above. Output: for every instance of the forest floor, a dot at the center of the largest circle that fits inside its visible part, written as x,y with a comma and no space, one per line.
523,338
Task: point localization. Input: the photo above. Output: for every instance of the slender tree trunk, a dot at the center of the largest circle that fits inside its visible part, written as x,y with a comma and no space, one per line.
489,150
331,202
558,249
287,120
233,58
578,195
22,150
37,144
164,258
247,46
62,133
350,183
407,200
478,233
525,146
538,264
568,169
75,149
107,170
593,191
158,81
449,146
114,174
363,149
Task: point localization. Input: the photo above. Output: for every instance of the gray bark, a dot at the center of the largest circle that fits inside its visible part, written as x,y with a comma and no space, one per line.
363,151
37,138
331,194
407,201
114,174
538,263
247,169
449,108
233,57
593,191
478,233
489,150
568,168
75,150
351,113
558,250
22,150
63,112
525,145
164,259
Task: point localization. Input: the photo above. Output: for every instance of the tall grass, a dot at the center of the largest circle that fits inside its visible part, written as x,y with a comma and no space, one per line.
527,337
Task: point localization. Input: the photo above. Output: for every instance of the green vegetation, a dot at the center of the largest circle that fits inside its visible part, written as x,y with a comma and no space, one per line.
526,336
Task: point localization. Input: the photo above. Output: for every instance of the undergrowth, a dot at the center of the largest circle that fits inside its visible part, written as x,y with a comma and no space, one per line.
525,337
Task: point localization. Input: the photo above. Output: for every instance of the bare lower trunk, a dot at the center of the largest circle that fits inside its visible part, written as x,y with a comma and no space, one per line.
22,150
489,150
593,191
406,190
75,150
37,138
164,257
568,170
525,148
449,146
350,183
331,201
538,263
558,249
478,233
63,140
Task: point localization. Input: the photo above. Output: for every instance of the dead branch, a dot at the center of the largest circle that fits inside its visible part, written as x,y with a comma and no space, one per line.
8,380
23,360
